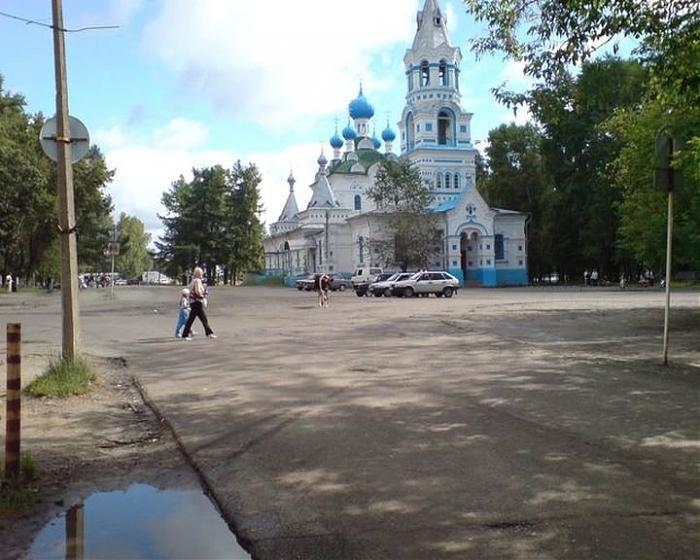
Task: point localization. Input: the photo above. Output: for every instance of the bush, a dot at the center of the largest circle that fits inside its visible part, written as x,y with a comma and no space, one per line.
63,378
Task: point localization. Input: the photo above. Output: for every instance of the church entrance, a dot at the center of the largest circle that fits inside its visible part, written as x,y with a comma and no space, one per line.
468,250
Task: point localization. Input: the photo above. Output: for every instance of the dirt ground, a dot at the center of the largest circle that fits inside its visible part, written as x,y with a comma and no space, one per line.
106,440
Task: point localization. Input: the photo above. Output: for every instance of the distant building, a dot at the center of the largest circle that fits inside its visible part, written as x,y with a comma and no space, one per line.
335,233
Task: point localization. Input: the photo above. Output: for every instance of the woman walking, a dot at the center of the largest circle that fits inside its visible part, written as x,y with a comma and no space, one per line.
197,306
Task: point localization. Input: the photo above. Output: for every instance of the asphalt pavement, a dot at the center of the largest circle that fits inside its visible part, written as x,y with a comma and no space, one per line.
507,423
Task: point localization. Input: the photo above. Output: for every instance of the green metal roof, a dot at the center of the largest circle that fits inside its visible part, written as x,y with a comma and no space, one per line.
366,158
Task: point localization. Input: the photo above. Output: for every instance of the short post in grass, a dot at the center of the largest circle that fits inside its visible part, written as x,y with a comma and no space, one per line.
13,401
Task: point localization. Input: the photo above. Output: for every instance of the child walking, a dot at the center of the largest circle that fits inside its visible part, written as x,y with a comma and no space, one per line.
184,312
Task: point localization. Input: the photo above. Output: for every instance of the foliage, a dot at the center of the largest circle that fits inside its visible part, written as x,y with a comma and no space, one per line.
212,221
399,192
133,257
63,378
515,179
28,201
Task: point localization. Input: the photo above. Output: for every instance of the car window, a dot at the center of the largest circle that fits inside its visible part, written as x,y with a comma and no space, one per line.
375,270
436,276
393,277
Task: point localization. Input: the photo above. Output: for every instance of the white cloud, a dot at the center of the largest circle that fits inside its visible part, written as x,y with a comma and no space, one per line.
278,64
521,117
180,134
514,74
451,16
146,168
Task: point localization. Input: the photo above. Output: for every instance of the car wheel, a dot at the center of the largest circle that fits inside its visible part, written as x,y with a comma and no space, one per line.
359,294
438,294
377,294
409,292
448,291
387,292
342,287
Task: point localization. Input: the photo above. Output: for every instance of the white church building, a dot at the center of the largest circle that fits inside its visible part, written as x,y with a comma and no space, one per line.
478,244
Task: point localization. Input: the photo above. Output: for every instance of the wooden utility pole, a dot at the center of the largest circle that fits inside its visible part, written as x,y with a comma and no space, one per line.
66,203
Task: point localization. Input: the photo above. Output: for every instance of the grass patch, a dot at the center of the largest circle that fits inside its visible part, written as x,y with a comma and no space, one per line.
15,501
63,378
18,498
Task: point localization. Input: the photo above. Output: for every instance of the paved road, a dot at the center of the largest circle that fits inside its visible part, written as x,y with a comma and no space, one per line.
524,423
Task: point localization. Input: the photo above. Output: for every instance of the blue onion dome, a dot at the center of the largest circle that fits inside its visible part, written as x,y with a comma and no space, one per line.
322,159
336,141
360,108
377,143
388,135
349,132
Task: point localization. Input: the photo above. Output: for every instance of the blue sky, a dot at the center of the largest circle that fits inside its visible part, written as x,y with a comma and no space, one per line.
182,83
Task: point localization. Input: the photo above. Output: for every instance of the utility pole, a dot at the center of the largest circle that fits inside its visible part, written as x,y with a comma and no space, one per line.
66,203
111,284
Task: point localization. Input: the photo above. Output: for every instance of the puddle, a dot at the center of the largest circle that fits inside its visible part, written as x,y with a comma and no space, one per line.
141,522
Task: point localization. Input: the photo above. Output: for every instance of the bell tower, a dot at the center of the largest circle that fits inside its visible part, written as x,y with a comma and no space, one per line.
435,130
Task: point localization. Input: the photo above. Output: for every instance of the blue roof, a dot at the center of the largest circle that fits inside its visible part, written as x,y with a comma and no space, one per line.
336,141
360,108
445,206
349,132
388,135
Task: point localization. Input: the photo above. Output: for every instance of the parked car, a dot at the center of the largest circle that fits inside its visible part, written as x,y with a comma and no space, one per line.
306,283
430,282
340,284
384,287
361,288
365,273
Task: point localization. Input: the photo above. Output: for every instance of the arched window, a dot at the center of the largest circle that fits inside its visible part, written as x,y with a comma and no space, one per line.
457,78
456,180
410,81
444,76
410,133
358,202
439,180
445,128
424,73
447,180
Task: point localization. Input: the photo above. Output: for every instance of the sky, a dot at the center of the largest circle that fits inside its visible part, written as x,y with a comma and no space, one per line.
182,84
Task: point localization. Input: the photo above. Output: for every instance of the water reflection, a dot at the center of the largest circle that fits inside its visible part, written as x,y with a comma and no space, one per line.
141,522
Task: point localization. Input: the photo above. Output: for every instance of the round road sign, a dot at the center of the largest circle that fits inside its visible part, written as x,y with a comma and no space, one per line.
79,139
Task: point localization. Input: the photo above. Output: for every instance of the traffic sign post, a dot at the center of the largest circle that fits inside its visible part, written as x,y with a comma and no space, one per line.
665,179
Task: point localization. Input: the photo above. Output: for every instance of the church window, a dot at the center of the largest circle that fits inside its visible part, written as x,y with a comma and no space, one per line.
454,247
418,128
424,73
520,247
358,202
428,127
447,180
488,261
498,247
463,128
445,130
457,78
454,263
456,180
444,79
437,20
439,180
410,81
471,263
520,263
410,138
488,246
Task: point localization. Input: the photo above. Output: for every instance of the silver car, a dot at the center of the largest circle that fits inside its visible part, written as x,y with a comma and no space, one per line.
426,283
384,288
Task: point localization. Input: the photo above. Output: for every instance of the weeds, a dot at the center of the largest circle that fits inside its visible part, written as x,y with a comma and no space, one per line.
63,378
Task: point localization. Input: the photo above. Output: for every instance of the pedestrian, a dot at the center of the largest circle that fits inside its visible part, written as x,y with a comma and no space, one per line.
183,313
8,283
197,306
586,276
594,277
324,290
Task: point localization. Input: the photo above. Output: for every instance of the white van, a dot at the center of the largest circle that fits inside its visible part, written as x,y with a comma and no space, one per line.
364,274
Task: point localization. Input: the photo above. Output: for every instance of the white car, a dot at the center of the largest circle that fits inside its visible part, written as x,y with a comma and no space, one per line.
426,283
364,274
384,288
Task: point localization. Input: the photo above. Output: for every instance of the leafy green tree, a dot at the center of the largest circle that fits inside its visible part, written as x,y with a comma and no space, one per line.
134,257
400,193
213,222
515,179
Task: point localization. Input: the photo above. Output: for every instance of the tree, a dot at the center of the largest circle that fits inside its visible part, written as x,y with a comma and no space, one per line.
213,222
515,179
404,200
133,258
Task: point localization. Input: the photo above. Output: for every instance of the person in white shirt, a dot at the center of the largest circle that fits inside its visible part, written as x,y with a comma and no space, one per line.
197,306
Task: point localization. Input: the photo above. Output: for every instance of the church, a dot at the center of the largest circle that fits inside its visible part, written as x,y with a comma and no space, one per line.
480,245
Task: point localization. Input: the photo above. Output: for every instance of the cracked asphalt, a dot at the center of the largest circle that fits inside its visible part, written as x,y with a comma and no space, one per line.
504,424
